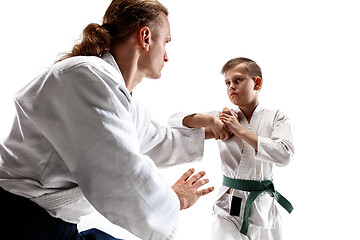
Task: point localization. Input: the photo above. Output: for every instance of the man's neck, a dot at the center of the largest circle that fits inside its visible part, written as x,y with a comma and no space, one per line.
127,56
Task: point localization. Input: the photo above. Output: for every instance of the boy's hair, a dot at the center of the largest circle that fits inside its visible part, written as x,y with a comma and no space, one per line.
251,66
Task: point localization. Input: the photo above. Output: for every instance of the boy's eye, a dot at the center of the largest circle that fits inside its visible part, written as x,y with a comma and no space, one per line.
239,79
227,83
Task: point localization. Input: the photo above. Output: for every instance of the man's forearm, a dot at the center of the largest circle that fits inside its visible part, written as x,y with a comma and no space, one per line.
198,120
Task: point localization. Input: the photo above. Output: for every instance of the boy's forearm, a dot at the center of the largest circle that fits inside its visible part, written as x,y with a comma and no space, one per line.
249,137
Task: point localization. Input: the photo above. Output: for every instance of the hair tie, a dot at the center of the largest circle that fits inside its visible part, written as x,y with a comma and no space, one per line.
109,27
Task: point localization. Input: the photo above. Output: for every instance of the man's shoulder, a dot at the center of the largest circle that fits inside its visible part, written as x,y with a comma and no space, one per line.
78,62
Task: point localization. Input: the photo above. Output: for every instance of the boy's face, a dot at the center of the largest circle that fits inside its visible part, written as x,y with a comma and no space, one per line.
242,90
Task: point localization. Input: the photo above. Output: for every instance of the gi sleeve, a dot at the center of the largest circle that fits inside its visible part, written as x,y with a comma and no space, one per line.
87,121
278,148
174,144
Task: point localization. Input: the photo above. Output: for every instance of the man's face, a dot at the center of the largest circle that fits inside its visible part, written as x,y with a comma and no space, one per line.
157,55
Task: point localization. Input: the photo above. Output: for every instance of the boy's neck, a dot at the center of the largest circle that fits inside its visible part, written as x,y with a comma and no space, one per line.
248,110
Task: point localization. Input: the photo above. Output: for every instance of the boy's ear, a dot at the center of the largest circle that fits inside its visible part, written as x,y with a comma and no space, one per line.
258,83
144,38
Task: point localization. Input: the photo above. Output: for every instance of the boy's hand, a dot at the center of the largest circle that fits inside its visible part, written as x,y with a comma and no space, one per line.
228,111
230,119
186,188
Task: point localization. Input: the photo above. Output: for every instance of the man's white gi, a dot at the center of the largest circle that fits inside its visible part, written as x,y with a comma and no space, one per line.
78,132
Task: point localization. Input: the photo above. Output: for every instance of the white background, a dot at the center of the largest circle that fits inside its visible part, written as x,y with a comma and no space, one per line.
309,54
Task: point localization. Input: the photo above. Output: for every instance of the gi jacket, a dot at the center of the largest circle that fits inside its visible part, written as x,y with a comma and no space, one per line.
240,161
80,139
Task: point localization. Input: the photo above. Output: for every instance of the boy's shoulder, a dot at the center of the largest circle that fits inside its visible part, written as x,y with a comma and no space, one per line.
270,110
275,115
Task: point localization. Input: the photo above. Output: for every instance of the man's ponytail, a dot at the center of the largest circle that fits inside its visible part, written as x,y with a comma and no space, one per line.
95,40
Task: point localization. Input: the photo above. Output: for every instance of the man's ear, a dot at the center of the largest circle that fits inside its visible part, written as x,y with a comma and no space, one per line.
144,38
258,83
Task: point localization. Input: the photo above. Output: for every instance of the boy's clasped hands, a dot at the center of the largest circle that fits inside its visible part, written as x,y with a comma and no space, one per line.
226,125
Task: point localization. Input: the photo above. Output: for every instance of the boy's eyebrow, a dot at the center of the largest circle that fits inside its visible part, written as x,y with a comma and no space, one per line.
235,76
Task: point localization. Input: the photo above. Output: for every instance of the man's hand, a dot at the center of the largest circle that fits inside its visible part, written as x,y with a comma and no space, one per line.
186,188
219,129
214,128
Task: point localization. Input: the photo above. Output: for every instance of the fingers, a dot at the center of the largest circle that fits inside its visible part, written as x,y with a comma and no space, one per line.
225,118
205,191
200,183
234,114
196,177
187,174
186,188
224,135
226,115
226,110
227,136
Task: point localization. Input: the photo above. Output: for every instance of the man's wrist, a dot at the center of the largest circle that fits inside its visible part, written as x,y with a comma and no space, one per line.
210,120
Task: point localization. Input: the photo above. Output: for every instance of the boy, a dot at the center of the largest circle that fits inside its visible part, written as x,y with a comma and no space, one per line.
246,207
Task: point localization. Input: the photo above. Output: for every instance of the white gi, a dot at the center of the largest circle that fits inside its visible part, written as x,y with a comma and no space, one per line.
240,161
78,132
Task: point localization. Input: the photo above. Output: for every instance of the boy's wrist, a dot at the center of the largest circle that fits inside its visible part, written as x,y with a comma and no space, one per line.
240,132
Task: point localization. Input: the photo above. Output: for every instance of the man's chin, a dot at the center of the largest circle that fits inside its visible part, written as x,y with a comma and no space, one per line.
154,76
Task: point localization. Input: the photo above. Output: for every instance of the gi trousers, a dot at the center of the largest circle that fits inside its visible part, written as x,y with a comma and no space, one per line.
225,229
22,219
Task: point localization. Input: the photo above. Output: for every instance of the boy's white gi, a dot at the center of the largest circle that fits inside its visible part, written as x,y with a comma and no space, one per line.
78,132
240,161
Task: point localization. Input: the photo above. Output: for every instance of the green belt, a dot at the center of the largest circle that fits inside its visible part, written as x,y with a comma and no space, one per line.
255,188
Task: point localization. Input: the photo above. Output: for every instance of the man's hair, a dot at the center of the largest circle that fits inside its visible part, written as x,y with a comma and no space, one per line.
251,66
121,19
